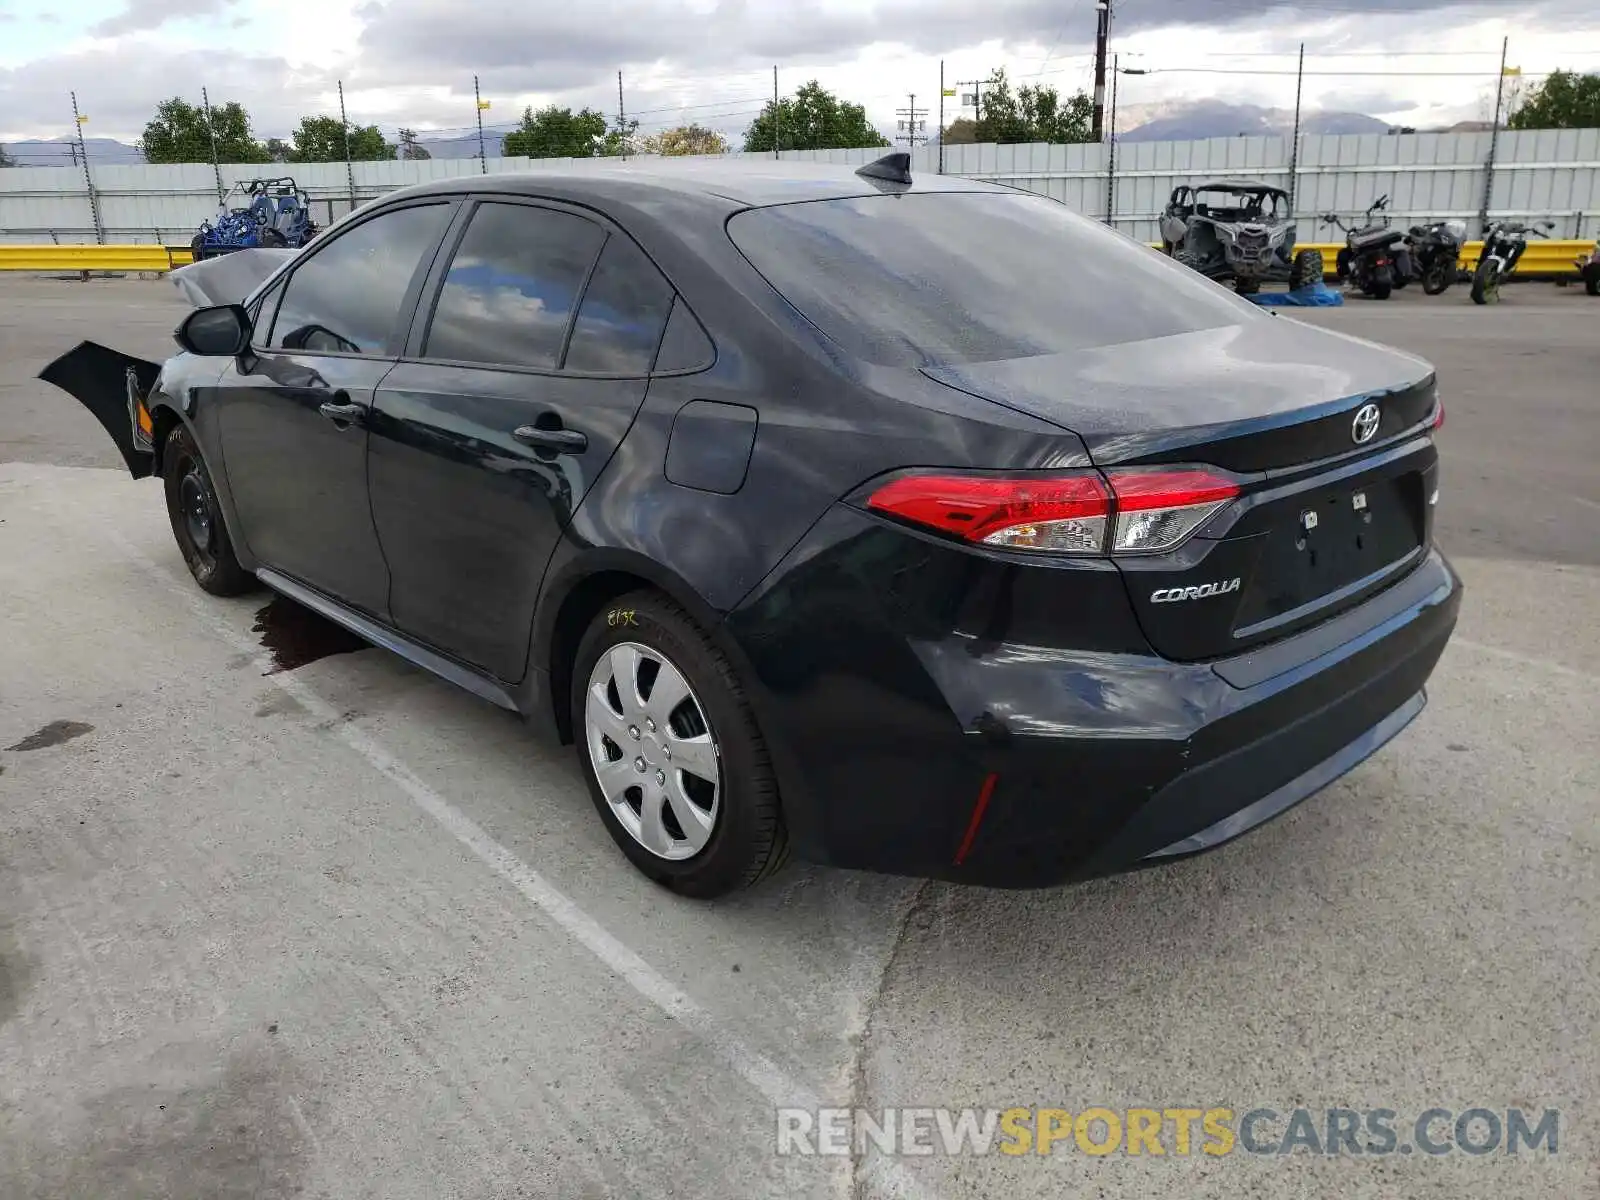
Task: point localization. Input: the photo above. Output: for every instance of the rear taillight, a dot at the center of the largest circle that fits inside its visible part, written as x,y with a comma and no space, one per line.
1052,512
1437,421
1134,511
1158,509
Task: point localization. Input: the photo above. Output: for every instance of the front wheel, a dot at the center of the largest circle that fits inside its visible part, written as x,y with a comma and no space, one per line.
1307,269
196,518
675,762
1342,262
1486,282
1437,277
1591,279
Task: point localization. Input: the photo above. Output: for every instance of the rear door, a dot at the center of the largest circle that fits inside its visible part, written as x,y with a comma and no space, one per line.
525,367
293,413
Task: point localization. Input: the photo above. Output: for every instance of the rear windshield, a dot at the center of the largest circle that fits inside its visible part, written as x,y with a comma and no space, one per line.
935,278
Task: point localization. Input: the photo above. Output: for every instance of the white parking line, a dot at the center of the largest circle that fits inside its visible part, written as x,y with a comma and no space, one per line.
749,1064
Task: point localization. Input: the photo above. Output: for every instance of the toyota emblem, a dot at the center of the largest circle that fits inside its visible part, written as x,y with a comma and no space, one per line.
1365,426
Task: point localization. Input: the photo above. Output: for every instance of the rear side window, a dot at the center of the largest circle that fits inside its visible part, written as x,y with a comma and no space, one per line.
508,297
345,298
624,310
925,279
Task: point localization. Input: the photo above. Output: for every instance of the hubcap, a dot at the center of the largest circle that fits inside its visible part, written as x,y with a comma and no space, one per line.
652,751
196,512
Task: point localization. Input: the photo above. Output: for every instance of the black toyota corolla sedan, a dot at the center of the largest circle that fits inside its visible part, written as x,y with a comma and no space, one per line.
915,525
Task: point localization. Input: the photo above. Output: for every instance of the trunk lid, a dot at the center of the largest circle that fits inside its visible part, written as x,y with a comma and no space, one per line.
1324,434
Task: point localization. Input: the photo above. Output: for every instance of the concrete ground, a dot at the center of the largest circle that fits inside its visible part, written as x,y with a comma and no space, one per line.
344,931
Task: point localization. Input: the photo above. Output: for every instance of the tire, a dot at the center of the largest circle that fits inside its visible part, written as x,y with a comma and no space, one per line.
1247,287
1437,277
1591,280
196,518
1307,268
197,247
740,839
1486,282
1381,289
1341,264
272,239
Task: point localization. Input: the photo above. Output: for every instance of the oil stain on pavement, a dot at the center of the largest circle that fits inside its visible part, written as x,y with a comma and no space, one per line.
53,734
295,636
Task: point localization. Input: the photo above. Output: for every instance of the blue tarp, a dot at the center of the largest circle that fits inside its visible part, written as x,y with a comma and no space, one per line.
1316,295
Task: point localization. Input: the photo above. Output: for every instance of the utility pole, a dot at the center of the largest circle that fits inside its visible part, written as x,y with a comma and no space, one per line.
977,94
1111,153
622,119
78,121
777,130
1102,37
349,171
1294,144
941,116
909,121
211,128
1494,141
477,99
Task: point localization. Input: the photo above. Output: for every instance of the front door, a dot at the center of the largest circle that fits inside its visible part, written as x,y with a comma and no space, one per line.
294,412
512,399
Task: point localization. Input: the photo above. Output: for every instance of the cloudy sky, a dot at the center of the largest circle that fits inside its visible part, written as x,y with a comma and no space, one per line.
411,62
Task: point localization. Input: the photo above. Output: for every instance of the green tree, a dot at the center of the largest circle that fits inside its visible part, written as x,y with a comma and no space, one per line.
685,139
279,151
557,133
322,139
408,148
620,139
963,131
814,119
1034,113
178,133
1565,100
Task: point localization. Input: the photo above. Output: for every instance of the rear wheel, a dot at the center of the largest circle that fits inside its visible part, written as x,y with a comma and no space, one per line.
675,762
196,518
1437,277
271,238
1341,264
1306,269
1486,282
1591,280
197,247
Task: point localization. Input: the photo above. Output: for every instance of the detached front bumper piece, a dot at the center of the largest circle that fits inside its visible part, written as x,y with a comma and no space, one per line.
113,387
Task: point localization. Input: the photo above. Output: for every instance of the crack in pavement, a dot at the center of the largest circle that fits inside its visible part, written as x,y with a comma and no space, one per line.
857,1096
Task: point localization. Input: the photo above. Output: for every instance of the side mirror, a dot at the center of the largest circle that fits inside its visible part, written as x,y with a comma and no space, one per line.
1547,225
222,331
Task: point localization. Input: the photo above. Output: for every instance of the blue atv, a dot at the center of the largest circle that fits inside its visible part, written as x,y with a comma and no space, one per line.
261,213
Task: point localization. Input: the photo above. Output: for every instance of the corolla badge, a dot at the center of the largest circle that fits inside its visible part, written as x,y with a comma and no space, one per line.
1169,595
1365,425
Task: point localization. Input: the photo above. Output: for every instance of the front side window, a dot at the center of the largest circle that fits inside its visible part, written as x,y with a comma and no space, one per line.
512,285
346,297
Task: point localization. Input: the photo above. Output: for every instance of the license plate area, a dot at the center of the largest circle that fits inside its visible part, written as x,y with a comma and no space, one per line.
1328,537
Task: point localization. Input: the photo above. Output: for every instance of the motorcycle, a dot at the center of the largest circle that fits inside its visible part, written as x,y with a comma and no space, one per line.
1430,253
1502,248
1368,257
1589,270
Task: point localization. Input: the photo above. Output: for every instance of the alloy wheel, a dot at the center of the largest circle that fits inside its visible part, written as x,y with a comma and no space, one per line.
652,751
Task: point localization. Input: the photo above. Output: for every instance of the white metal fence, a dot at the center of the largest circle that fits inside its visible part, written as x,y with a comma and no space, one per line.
1552,174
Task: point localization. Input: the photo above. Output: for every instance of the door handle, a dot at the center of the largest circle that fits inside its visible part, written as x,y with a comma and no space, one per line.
343,413
567,441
